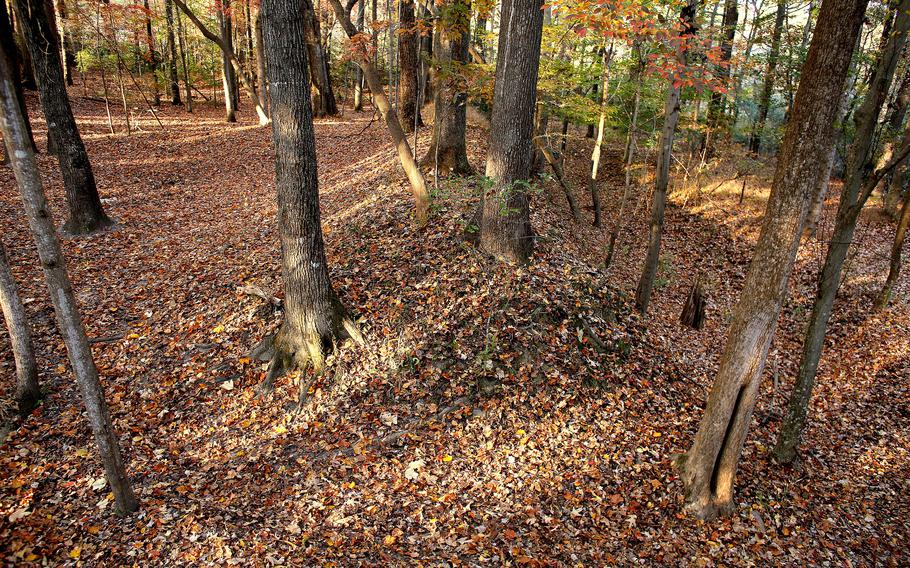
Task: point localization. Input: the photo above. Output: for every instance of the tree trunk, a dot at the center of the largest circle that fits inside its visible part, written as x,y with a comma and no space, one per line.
598,144
693,313
260,65
852,199
448,150
358,74
505,213
228,77
12,61
86,212
174,85
768,89
28,393
897,111
418,185
409,67
314,318
188,88
324,103
894,266
152,54
68,52
716,110
69,321
664,156
709,468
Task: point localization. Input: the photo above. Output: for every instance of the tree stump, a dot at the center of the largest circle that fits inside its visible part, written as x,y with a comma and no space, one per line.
693,313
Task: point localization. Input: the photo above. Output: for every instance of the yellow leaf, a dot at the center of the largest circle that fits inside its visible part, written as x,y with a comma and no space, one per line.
389,540
520,433
447,458
82,453
218,329
133,336
76,552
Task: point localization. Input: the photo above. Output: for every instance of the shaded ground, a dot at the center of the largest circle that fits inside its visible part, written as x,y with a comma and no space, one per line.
496,417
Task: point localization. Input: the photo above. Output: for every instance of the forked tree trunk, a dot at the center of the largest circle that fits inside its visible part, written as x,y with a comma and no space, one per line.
418,185
173,81
12,54
409,67
225,50
894,266
314,319
505,213
448,151
69,321
860,159
324,103
708,469
85,210
764,102
664,157
28,393
358,73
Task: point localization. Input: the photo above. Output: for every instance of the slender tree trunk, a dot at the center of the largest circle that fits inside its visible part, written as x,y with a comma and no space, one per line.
153,55
764,103
28,393
227,51
69,321
409,69
598,144
12,54
260,64
68,52
86,212
897,111
187,86
324,103
228,78
505,220
853,197
418,185
314,318
708,469
894,267
358,74
174,85
448,150
716,110
664,157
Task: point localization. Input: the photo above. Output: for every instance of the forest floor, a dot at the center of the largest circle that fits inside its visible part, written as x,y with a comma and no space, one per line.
497,416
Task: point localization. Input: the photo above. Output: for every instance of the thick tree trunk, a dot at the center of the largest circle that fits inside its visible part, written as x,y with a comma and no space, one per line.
86,212
505,213
28,393
173,83
358,74
225,50
69,321
324,102
709,467
260,65
448,151
409,68
664,157
12,61
716,110
228,76
314,318
400,141
894,267
764,102
852,199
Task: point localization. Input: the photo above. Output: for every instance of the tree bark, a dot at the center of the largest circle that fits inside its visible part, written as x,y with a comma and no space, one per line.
69,321
314,318
28,393
409,67
860,159
228,76
324,103
505,214
598,143
764,102
448,150
664,157
716,110
260,65
85,210
358,74
400,141
708,469
12,61
68,52
188,88
894,266
173,83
